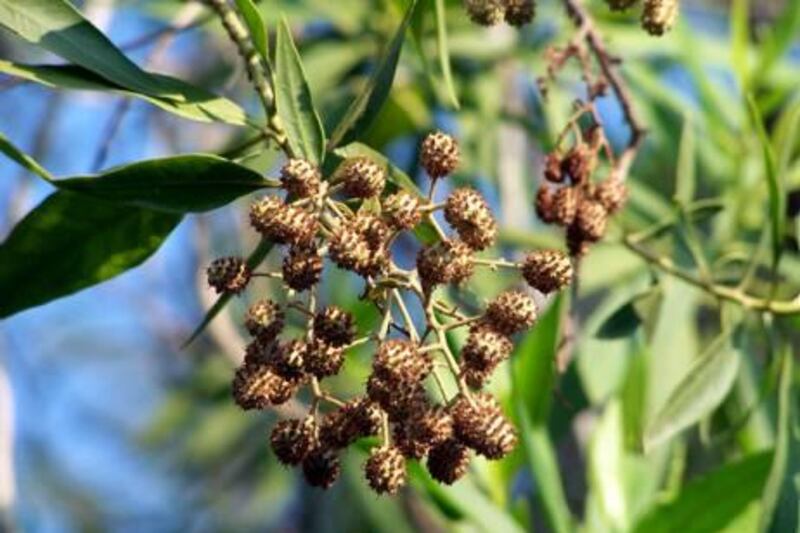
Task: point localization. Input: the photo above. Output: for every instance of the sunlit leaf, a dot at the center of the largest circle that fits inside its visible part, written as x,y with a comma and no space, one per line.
255,25
444,52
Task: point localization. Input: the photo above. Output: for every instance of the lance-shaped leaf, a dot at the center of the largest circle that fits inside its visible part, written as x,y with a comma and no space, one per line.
365,108
255,25
701,390
70,242
293,99
186,183
23,159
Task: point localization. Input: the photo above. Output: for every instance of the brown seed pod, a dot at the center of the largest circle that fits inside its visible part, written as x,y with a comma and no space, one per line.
576,244
264,319
300,178
334,326
287,359
302,267
520,12
659,16
362,177
400,361
476,378
257,386
612,193
321,468
591,220
229,275
292,440
356,419
467,211
565,205
481,425
439,154
281,223
402,210
399,400
359,248
485,348
258,350
545,204
448,461
485,12
448,261
620,5
579,163
385,470
547,270
510,312
405,440
430,424
372,229
322,359
552,168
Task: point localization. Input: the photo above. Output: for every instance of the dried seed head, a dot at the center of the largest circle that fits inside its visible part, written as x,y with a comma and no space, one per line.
431,424
577,245
620,5
322,359
400,361
229,275
355,419
486,348
362,177
510,312
300,178
483,427
264,319
409,446
448,261
439,154
334,326
372,229
258,350
565,205
385,470
448,461
520,12
292,440
359,246
281,223
476,378
467,211
302,267
287,359
545,204
399,400
321,468
612,194
659,16
591,220
485,12
547,270
552,168
402,210
257,386
579,163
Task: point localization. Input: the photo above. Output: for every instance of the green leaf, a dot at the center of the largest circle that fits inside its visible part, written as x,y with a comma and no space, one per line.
779,484
254,260
685,179
293,99
712,502
60,28
622,323
70,242
740,41
186,183
255,25
365,108
606,467
23,159
777,195
781,34
195,103
444,52
700,391
534,364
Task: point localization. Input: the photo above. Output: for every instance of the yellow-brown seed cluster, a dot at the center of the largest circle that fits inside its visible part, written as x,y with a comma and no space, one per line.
490,12
350,219
658,16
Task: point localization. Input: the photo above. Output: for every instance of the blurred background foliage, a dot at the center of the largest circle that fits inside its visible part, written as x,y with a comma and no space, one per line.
118,428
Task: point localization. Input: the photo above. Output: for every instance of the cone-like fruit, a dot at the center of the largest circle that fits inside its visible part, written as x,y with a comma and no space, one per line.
448,261
321,468
448,461
659,16
302,267
485,12
385,470
258,386
547,270
229,275
486,348
300,178
409,445
545,204
612,194
292,440
288,359
322,360
439,154
552,168
334,326
565,205
400,361
362,177
591,220
264,319
402,210
357,418
481,425
520,12
467,211
283,224
399,400
579,163
511,312
360,246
